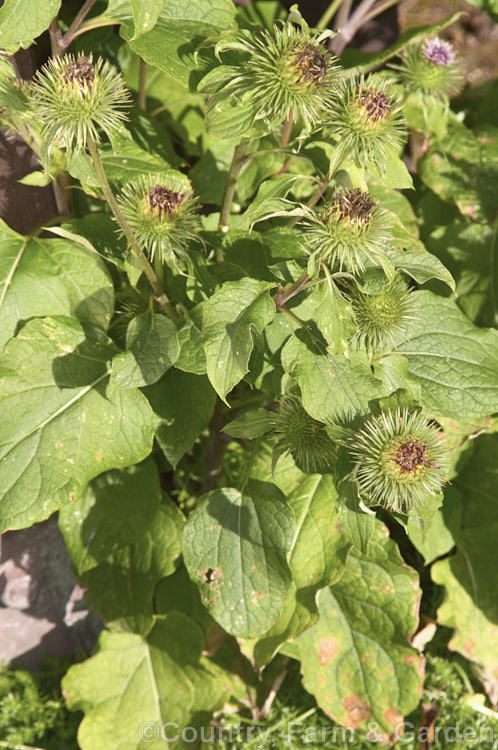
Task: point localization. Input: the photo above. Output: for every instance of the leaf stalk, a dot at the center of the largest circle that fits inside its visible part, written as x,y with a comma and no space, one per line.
238,159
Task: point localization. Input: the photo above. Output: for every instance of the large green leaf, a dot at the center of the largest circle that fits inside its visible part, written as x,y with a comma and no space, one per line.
455,362
40,277
148,682
230,318
177,33
184,404
192,357
229,117
317,558
22,21
356,660
471,605
333,387
122,587
115,509
469,251
145,15
421,266
151,349
131,162
464,170
435,538
59,427
234,546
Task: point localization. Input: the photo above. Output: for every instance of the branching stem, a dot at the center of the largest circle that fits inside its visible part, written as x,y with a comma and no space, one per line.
285,294
380,8
132,240
71,33
341,41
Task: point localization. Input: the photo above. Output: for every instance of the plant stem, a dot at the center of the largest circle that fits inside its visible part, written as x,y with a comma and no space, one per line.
55,38
250,463
72,31
340,42
286,132
343,14
62,196
238,159
380,8
492,251
134,244
328,15
285,294
62,183
142,85
294,317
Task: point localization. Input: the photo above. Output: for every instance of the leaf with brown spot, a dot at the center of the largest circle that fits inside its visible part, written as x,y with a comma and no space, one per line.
357,711
235,547
471,604
60,426
368,615
317,558
327,649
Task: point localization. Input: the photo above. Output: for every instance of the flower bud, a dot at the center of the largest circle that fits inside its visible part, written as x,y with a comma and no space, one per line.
382,317
75,98
400,460
431,68
347,233
162,214
366,120
304,438
285,69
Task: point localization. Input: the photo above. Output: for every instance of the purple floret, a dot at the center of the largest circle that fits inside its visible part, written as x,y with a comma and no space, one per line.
439,52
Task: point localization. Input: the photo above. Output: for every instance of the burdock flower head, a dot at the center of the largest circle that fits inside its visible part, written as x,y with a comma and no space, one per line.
162,212
347,233
304,438
283,70
366,120
400,460
431,68
383,316
75,98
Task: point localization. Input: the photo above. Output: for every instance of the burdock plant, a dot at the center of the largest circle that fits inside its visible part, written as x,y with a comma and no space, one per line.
400,458
304,438
281,71
162,213
347,233
383,316
431,68
76,98
366,120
